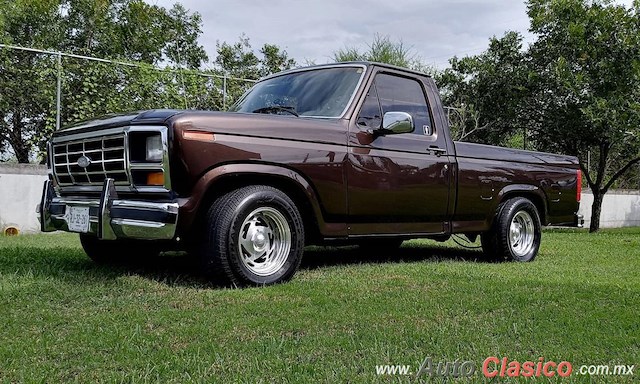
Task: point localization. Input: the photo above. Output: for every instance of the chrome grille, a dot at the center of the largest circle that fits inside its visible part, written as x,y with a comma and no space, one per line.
106,155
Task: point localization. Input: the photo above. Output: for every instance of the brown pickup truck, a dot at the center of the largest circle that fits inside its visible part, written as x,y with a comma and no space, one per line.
348,153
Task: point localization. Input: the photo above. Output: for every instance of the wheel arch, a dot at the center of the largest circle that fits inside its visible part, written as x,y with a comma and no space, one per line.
222,179
534,194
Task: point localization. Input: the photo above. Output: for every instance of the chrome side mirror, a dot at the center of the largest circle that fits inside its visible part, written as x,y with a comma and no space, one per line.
396,123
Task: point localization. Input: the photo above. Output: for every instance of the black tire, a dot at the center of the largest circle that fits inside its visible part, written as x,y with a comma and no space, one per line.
118,251
516,232
254,236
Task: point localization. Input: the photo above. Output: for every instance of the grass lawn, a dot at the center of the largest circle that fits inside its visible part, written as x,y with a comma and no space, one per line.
64,319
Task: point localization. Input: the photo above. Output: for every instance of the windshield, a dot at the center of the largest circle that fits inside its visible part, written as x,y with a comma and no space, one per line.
323,92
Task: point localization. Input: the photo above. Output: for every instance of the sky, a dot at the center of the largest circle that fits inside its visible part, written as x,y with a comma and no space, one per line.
311,31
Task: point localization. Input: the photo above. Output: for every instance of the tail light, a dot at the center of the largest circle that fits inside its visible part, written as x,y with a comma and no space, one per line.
579,185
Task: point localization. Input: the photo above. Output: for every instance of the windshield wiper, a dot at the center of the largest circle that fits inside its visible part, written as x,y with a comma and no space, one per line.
277,108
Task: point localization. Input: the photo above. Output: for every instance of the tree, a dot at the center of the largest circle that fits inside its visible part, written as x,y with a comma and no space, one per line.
585,87
383,50
132,31
484,92
23,100
129,30
140,36
182,46
274,60
239,61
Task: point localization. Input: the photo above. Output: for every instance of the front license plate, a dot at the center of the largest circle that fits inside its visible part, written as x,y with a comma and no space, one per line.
78,219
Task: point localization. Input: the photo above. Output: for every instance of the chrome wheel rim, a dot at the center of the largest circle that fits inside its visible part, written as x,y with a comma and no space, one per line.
521,234
264,241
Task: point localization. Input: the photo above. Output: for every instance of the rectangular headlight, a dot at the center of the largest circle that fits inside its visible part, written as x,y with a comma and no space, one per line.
154,148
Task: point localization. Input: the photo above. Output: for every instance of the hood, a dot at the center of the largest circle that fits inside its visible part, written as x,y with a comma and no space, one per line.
287,127
150,117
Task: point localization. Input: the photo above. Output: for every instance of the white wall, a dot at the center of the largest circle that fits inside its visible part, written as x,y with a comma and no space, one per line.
619,209
21,189
20,192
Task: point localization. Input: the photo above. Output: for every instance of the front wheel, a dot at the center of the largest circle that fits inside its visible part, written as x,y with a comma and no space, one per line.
255,236
516,232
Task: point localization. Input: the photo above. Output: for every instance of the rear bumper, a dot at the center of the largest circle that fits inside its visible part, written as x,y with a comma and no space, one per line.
110,218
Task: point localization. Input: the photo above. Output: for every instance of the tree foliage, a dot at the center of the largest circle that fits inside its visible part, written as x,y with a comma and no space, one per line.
585,87
130,31
383,50
575,90
483,92
239,61
23,100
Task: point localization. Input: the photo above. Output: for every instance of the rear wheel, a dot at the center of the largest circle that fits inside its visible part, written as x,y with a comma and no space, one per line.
516,232
255,236
117,251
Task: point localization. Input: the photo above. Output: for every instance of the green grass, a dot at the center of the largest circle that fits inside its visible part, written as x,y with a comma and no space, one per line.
64,319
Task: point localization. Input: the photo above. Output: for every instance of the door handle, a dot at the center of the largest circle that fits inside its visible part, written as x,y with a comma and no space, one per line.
435,150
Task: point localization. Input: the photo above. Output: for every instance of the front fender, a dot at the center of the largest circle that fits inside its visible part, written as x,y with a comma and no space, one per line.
231,172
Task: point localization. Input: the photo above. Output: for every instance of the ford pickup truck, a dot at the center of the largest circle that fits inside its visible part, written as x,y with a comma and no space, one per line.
348,153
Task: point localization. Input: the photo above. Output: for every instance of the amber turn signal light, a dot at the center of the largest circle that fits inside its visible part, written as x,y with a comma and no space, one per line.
199,136
155,178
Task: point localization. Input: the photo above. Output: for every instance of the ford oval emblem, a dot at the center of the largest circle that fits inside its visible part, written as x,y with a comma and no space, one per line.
84,161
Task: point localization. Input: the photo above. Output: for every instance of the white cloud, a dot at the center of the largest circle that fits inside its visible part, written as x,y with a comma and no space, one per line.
314,30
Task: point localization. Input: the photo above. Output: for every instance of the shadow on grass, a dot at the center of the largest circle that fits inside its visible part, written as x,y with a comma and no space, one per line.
71,264
179,269
320,257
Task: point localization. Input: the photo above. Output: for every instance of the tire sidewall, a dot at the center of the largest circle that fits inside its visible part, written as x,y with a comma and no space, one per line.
280,202
510,211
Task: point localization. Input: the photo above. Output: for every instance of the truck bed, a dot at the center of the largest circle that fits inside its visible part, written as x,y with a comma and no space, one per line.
486,174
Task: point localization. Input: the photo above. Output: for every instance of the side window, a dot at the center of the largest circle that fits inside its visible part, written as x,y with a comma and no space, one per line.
400,94
370,115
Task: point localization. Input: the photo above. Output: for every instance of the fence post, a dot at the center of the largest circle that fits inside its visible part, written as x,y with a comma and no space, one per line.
59,91
224,91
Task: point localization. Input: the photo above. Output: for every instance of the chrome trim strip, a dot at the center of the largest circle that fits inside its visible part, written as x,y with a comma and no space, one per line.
84,135
137,223
105,231
165,207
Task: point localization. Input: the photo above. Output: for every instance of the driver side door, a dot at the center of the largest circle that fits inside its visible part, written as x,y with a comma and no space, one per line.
397,183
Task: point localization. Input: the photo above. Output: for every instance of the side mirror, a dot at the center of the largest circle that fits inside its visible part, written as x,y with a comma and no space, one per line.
396,123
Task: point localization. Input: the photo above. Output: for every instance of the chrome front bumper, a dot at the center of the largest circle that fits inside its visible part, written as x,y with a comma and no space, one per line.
110,218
